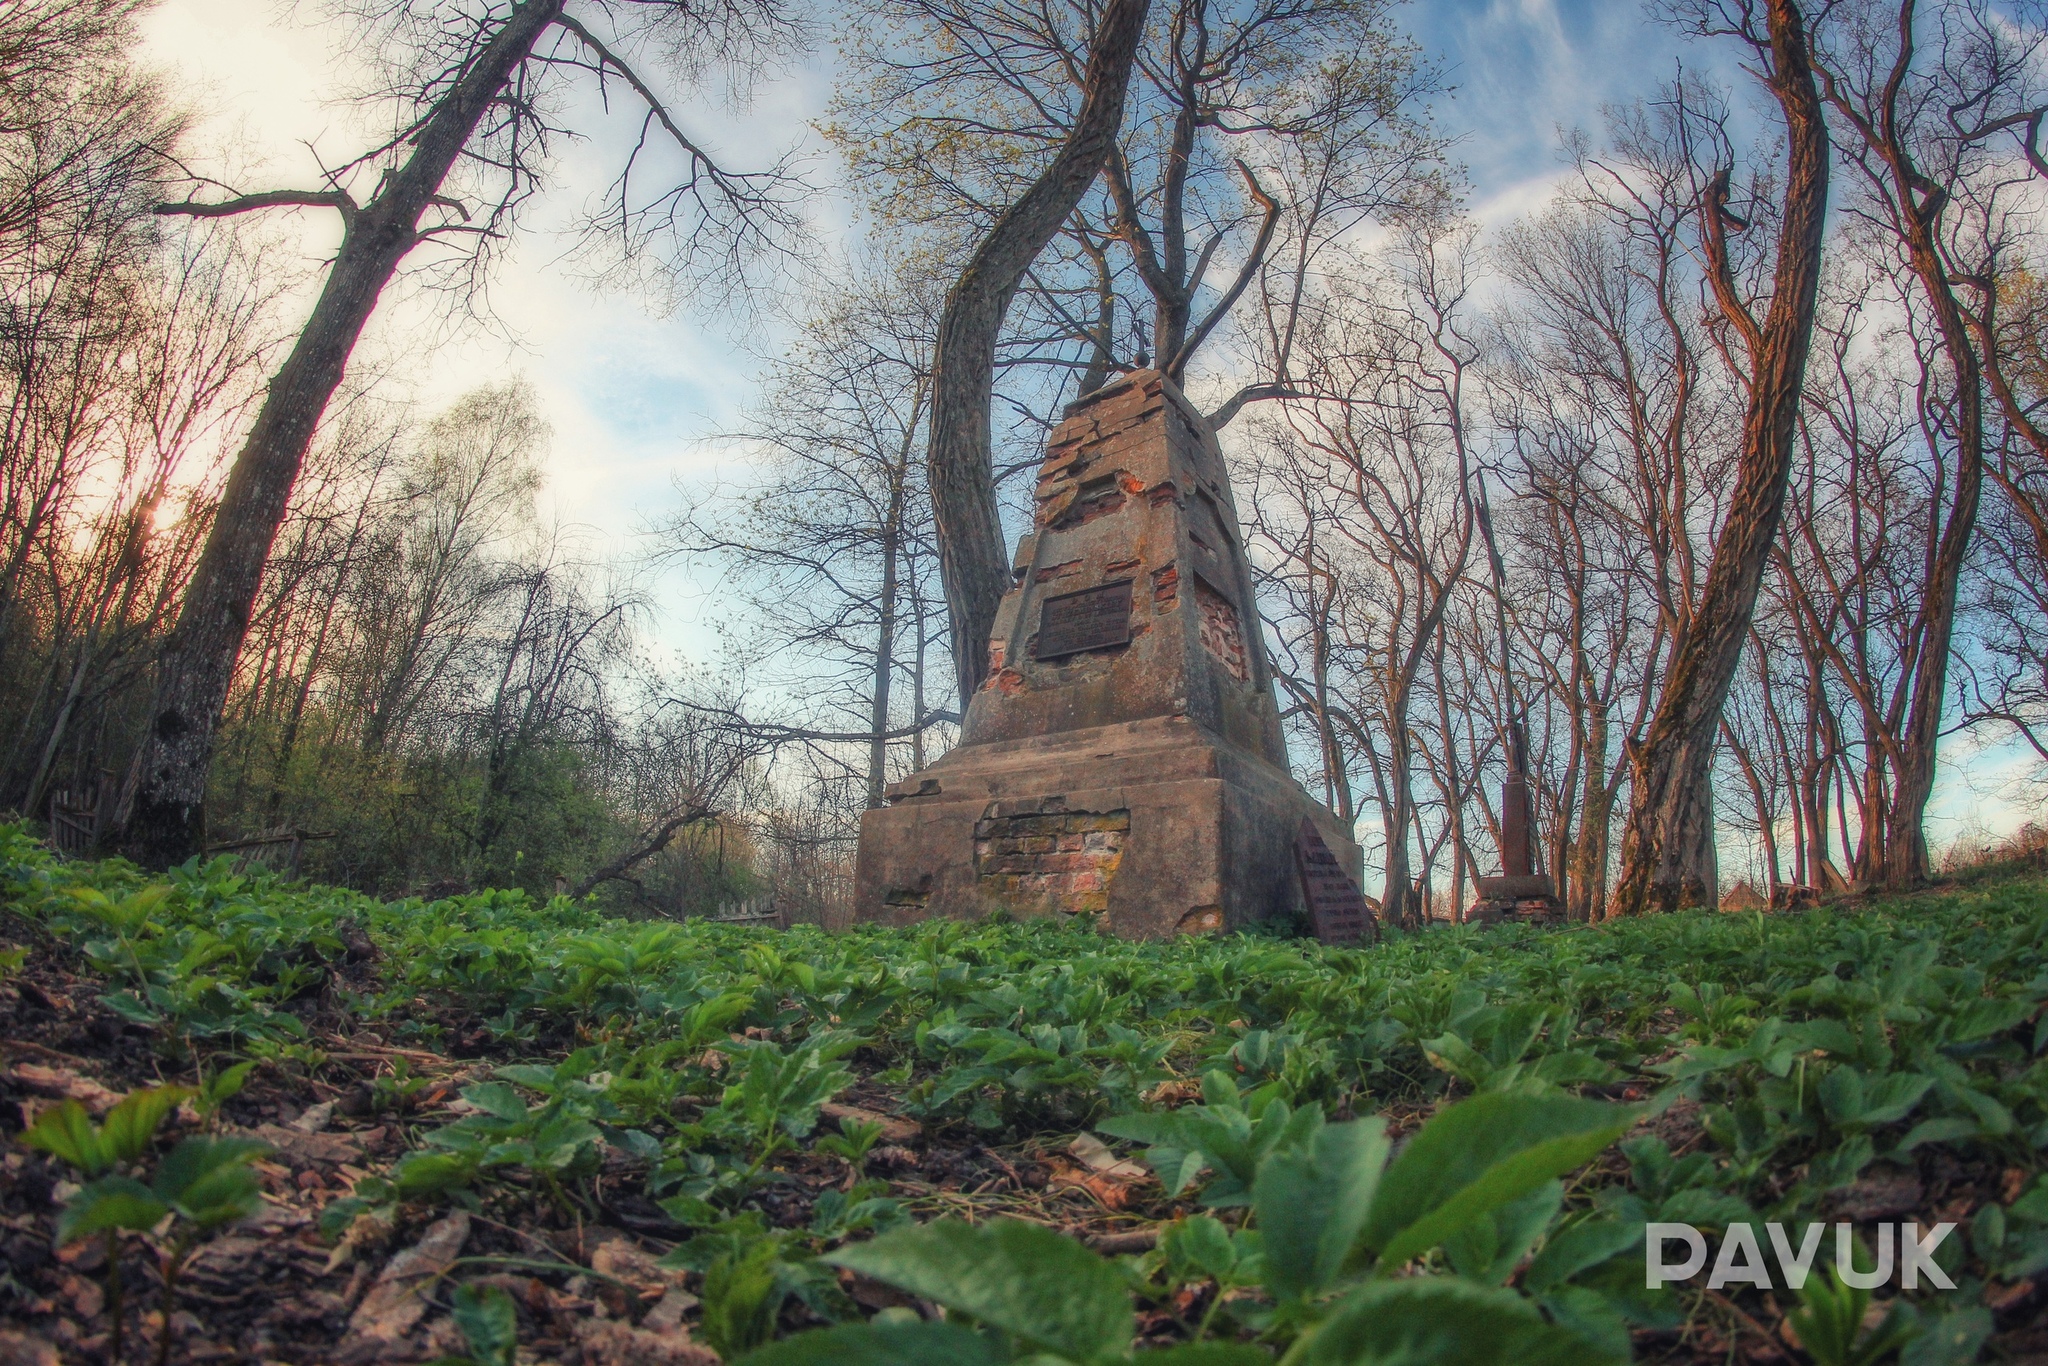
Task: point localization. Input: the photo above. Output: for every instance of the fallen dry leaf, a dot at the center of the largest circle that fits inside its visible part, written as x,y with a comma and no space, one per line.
895,1130
607,1342
1093,1152
26,1349
299,1146
620,1258
60,1083
393,1305
316,1118
667,1316
1112,1193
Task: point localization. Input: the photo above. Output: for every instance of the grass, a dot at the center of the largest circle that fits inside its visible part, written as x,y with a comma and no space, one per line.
1873,1059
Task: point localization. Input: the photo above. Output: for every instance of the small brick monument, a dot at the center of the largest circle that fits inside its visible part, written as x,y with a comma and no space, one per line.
1124,756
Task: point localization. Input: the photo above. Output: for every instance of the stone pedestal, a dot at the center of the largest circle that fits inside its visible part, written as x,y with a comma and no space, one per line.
1522,896
1124,757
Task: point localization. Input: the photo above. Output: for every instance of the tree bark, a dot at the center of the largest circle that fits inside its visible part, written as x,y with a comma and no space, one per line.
972,559
1917,202
165,815
1670,826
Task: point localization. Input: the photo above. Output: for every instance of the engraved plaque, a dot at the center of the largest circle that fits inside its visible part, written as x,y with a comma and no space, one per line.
1336,908
1088,620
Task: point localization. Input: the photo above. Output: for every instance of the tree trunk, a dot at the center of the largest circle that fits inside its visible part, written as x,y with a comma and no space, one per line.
1397,906
1905,837
1671,824
166,821
1596,822
885,655
972,558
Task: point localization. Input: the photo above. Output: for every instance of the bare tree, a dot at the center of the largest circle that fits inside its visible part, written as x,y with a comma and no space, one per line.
471,88
1381,469
1672,812
1259,135
972,556
827,563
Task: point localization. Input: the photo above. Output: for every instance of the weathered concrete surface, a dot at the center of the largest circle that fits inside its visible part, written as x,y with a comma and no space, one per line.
1144,779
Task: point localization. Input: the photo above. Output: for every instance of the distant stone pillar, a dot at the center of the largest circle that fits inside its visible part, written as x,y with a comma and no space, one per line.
1517,838
1520,892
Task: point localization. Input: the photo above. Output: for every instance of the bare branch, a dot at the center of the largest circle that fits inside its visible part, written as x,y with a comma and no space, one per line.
268,199
1251,393
1252,261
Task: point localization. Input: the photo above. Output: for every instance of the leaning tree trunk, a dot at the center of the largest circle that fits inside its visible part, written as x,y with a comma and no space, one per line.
1905,838
1667,849
165,821
972,558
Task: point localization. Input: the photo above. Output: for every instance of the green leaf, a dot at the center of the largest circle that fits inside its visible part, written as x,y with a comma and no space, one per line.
496,1099
1854,1100
1572,1250
489,1323
1312,1201
1594,1315
691,1211
110,1202
1028,1281
131,1008
337,1215
1199,1244
1951,1340
424,1173
65,1133
217,1090
128,1128
1208,1354
533,1078
1982,1018
196,1160
208,1181
1894,1097
1830,1323
883,1344
1489,1248
1442,1321
1478,1155
742,1297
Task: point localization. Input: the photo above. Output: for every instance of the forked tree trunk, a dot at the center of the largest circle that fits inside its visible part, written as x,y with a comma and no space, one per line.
1667,852
165,815
972,558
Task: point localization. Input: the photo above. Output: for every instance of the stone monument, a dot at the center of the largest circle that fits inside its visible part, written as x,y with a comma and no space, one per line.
1124,757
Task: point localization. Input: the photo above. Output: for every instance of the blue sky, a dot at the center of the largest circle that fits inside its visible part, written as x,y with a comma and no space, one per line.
638,401
1523,69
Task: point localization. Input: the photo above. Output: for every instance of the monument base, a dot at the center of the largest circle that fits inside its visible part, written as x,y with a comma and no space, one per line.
1528,897
1156,825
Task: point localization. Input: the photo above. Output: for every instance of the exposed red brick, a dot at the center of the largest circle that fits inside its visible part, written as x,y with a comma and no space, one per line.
1006,681
1051,859
1166,588
1220,632
1086,509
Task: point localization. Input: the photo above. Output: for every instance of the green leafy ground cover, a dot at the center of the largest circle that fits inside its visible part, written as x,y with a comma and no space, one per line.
689,1139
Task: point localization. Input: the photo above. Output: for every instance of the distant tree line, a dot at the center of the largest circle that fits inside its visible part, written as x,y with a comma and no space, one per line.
1718,482
440,689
